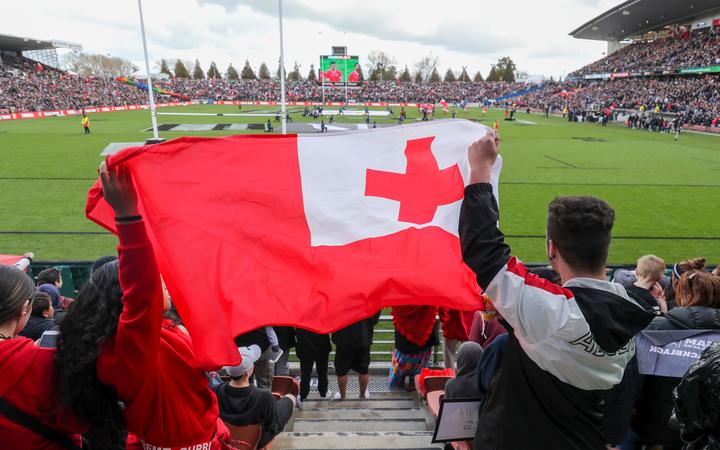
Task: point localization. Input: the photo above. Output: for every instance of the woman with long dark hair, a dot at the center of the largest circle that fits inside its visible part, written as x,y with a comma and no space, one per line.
29,415
119,362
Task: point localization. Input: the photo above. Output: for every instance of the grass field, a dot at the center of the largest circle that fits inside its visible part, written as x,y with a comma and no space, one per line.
666,194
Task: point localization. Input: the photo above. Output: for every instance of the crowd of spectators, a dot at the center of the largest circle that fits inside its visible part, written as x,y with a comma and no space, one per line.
688,49
696,98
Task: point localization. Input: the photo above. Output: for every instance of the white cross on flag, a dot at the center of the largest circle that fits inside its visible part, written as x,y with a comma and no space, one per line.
315,231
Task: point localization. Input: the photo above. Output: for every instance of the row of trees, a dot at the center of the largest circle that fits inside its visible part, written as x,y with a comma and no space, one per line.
380,66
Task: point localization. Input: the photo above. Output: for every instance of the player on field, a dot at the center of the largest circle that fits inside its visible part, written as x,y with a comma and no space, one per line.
86,124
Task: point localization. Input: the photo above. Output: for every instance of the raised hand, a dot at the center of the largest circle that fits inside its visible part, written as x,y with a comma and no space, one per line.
119,190
482,155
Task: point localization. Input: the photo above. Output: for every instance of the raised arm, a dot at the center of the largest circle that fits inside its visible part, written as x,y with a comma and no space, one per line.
134,349
535,308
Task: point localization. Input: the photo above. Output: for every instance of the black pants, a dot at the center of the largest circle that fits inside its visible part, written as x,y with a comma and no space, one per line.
306,367
87,130
284,413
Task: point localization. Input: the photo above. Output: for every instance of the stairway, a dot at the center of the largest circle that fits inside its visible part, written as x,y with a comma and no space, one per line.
388,420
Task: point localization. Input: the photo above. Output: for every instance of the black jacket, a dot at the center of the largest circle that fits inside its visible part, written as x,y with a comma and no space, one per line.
568,346
310,345
655,405
257,337
36,326
249,406
286,337
359,335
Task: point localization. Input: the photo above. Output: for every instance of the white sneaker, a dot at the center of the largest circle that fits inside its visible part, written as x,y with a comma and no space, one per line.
337,396
367,395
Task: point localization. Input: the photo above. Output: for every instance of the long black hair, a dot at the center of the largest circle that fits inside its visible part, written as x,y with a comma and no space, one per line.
90,323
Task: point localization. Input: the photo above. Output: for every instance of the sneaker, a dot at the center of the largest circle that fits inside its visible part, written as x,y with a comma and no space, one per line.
367,395
337,396
299,403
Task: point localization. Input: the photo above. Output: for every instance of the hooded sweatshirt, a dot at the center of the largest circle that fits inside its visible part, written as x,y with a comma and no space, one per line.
151,362
26,383
567,347
464,385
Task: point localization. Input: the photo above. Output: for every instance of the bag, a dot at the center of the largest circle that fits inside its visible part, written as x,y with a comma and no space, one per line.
31,423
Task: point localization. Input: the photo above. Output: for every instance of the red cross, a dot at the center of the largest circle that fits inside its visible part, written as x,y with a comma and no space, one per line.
422,188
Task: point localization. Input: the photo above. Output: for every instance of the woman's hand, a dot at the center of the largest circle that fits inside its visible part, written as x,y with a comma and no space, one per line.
119,190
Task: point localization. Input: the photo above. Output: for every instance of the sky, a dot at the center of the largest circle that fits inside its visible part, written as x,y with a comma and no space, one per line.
471,33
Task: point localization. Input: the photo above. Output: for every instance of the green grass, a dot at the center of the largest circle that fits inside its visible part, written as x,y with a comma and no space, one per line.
666,194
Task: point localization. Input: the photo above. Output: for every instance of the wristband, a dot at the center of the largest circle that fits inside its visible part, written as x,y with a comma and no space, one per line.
128,219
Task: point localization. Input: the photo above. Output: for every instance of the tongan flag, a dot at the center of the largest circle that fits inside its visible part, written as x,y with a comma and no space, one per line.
316,231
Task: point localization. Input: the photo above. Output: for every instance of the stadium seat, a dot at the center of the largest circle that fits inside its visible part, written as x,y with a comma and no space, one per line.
284,385
246,437
433,400
435,383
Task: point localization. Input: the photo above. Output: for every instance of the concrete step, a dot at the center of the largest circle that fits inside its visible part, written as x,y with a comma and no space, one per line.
418,440
356,424
356,413
372,403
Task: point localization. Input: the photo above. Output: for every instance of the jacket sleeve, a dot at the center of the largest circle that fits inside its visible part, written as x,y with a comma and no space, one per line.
133,352
535,308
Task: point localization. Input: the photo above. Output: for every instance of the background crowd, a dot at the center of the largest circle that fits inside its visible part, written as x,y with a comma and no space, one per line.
25,88
676,51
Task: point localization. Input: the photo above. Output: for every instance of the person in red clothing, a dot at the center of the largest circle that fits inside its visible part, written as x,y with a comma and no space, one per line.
115,346
333,75
27,395
355,75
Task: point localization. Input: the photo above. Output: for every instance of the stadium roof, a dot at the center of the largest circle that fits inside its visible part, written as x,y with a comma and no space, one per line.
634,17
12,43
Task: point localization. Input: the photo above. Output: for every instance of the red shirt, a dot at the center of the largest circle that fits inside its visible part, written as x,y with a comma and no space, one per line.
151,363
354,77
333,75
26,383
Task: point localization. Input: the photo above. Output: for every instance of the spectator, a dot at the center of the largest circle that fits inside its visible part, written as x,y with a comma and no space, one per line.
569,344
696,400
698,298
56,299
415,337
264,369
25,261
115,346
286,341
51,275
41,319
313,350
352,352
26,384
489,366
455,327
678,269
242,404
464,385
646,288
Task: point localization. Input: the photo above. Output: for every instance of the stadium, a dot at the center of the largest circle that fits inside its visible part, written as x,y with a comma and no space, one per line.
329,201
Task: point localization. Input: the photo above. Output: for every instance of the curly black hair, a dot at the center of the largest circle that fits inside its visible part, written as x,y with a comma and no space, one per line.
581,228
90,322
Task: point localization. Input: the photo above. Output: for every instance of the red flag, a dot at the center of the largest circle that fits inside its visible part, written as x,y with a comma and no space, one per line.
9,260
444,105
316,231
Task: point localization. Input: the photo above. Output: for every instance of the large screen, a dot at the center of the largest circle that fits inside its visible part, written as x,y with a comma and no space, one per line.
338,70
